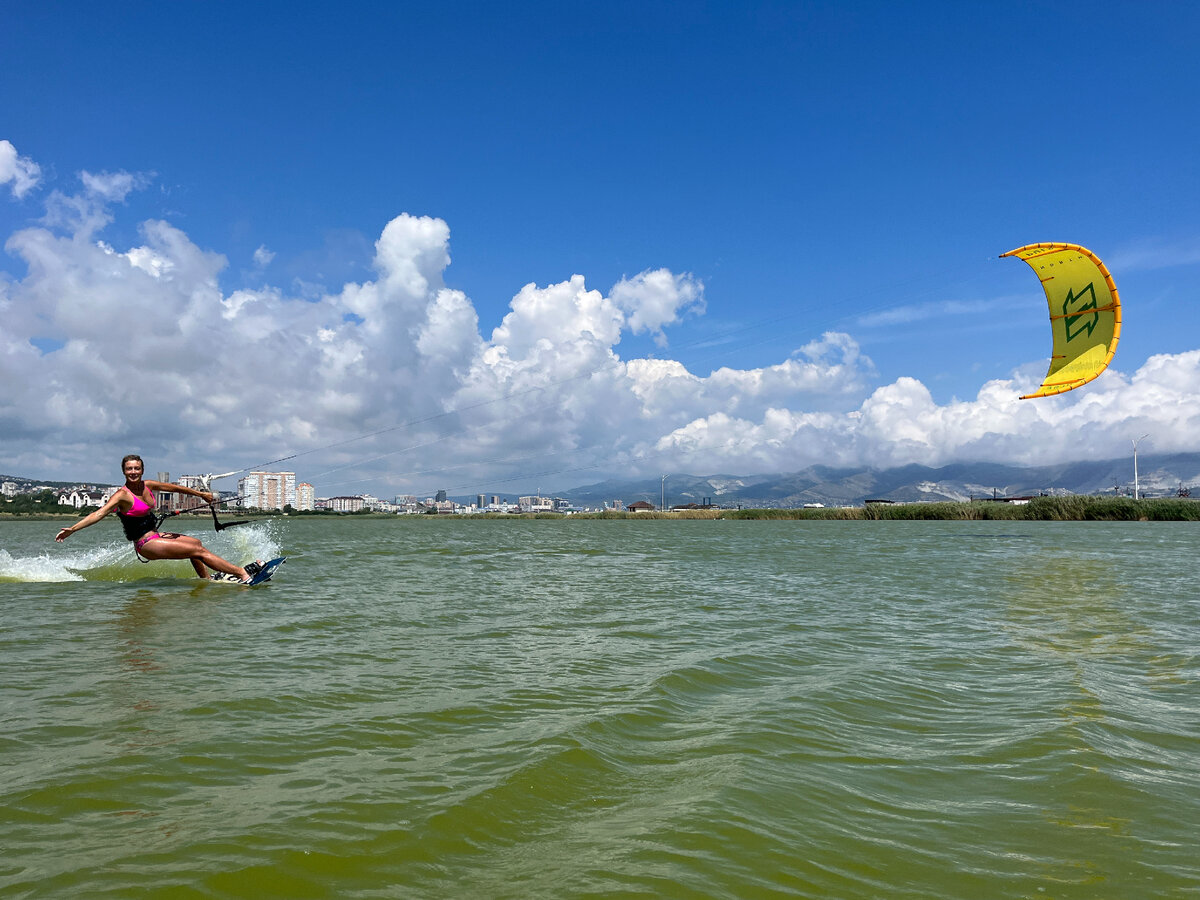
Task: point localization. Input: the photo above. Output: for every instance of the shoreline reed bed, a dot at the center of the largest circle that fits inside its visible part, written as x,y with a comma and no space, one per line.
1074,508
1040,509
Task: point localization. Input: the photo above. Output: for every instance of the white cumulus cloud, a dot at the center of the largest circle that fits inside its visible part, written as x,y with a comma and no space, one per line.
654,299
20,173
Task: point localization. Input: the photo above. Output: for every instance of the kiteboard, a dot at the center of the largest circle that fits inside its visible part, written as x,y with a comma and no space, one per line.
263,574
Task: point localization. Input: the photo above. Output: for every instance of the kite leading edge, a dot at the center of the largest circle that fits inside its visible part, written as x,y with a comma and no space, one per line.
1085,313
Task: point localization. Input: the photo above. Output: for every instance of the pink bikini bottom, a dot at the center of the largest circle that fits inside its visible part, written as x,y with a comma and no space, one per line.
145,539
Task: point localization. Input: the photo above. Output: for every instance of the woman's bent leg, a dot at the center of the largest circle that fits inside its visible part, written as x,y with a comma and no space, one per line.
187,547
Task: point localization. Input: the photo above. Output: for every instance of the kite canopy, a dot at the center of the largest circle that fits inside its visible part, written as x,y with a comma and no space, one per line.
1085,313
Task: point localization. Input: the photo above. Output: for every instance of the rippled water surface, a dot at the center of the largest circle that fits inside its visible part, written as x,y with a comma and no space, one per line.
433,708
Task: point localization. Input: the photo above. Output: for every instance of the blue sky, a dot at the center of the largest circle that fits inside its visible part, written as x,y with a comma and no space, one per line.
796,170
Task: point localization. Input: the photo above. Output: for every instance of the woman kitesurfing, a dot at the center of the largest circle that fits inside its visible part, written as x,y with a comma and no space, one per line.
134,505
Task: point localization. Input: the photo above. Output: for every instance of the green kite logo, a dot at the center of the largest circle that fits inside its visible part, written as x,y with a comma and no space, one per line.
1079,311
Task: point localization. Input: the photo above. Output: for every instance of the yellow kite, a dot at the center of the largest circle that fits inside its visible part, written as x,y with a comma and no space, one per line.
1085,313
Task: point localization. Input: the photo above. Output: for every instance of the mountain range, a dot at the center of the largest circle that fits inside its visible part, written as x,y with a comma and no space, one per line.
1158,476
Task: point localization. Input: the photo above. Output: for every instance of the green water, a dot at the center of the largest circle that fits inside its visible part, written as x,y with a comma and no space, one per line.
418,708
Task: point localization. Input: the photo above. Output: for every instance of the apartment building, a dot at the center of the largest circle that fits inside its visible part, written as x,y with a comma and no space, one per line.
187,501
268,490
306,496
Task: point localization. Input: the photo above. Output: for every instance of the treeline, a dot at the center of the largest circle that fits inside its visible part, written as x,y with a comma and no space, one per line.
40,504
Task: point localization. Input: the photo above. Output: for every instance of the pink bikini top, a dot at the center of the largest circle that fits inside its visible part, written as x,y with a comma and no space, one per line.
140,507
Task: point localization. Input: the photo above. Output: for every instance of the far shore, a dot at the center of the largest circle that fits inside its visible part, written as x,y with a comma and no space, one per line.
1039,509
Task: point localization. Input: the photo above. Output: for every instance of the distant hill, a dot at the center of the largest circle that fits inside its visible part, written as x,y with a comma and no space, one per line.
24,483
1158,476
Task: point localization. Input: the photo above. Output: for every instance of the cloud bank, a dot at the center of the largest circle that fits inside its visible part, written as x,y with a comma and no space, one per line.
106,350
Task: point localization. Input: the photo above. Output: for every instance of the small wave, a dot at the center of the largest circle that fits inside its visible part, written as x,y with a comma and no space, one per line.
69,567
116,561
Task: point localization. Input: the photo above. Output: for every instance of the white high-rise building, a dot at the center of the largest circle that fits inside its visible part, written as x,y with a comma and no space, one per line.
187,501
268,490
165,500
306,496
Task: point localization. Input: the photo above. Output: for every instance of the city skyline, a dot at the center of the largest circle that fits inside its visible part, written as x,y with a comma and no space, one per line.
1175,475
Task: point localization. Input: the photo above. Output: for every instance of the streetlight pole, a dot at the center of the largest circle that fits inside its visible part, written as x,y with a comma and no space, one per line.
1135,472
662,495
